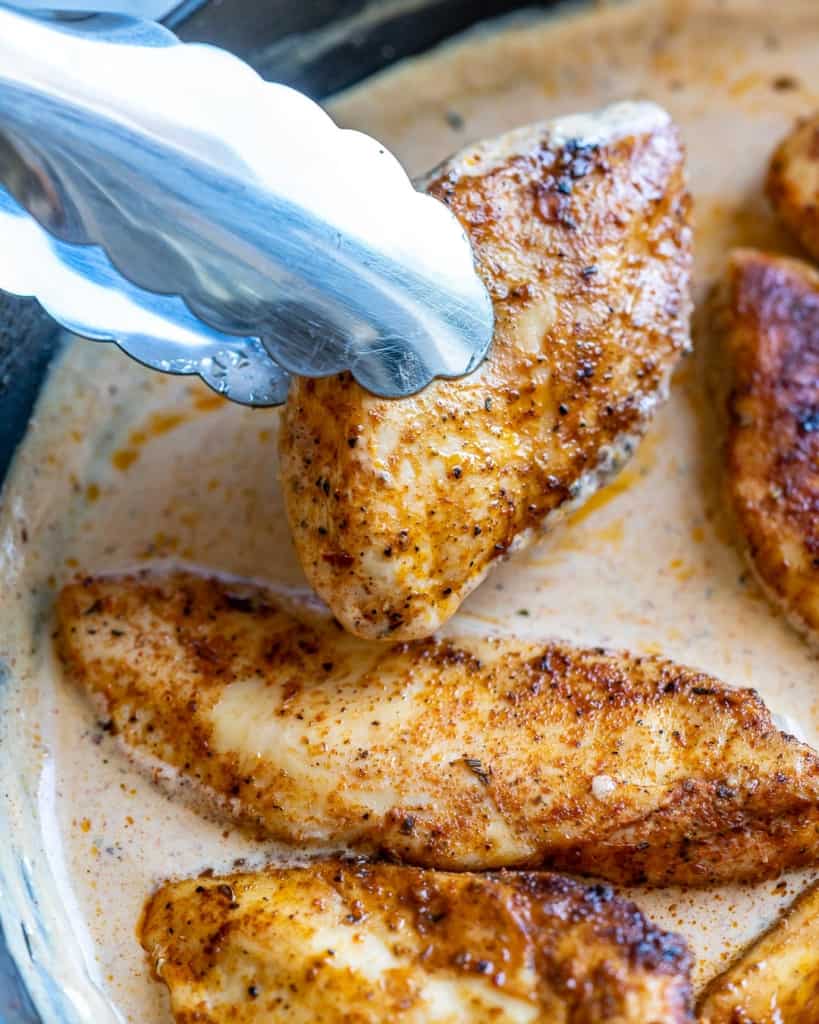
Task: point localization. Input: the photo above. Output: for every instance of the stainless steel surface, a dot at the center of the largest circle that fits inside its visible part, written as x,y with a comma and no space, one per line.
79,287
231,198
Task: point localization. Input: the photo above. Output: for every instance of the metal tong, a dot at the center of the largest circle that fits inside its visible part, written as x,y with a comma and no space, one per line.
165,197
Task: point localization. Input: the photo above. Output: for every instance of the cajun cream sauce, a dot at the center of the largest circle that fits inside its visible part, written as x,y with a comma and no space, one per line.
124,468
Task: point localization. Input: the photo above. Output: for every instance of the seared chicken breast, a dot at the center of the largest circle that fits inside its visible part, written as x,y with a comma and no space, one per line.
462,753
339,942
771,352
580,229
793,182
777,979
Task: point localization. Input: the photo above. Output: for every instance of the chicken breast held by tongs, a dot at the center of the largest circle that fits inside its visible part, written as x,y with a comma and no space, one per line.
580,229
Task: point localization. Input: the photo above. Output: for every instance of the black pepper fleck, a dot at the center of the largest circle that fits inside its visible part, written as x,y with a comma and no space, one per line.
454,120
809,422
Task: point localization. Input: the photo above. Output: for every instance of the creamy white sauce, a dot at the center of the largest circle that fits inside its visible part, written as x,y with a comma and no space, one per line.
126,468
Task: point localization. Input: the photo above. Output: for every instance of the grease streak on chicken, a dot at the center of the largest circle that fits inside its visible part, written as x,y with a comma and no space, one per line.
337,942
450,753
580,232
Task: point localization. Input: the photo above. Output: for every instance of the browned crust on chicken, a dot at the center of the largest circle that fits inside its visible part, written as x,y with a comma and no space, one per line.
465,753
793,182
771,338
336,942
399,508
776,981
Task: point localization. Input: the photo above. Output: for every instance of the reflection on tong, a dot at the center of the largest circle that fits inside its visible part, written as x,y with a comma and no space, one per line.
163,196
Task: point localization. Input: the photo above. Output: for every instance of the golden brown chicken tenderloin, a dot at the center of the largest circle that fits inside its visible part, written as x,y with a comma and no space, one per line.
462,753
770,339
340,942
398,509
776,981
792,184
